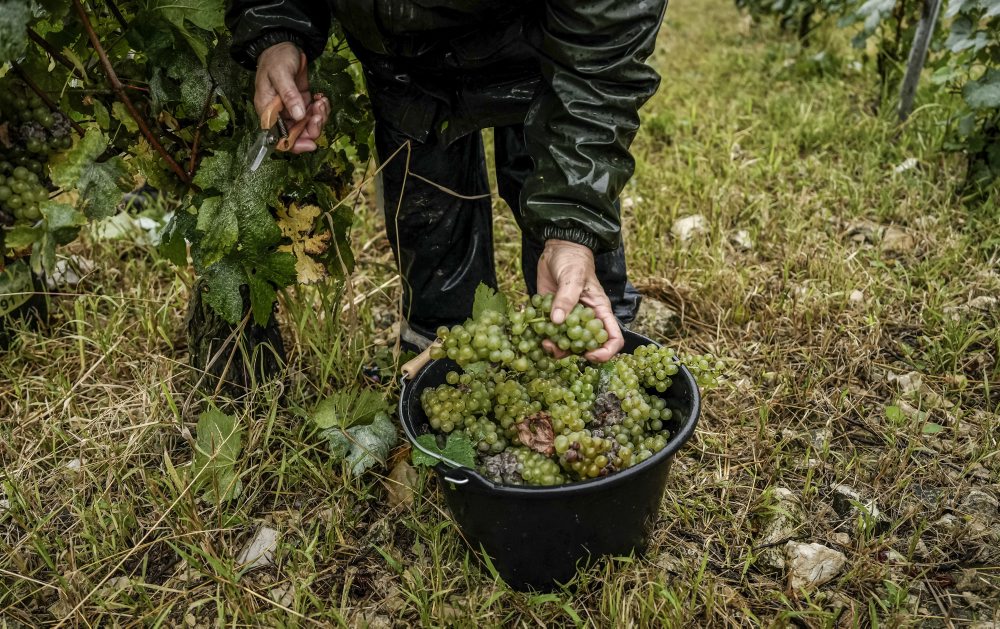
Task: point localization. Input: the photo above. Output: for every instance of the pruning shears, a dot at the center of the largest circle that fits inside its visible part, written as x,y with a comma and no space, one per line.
274,133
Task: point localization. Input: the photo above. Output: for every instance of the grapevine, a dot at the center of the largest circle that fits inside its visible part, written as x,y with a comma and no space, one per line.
98,100
536,420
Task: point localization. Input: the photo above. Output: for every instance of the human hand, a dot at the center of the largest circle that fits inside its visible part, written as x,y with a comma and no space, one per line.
278,75
566,269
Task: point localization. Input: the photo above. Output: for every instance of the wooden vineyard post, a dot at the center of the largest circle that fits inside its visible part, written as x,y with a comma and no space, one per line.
918,56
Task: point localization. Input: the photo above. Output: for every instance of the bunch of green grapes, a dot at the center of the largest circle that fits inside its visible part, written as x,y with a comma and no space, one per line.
538,469
514,339
577,421
21,191
706,369
33,133
584,455
654,366
511,404
580,332
461,398
481,339
485,435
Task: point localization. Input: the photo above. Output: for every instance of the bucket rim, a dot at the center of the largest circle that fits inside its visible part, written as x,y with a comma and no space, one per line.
461,475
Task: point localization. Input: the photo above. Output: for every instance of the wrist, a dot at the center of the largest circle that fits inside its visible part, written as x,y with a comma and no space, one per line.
270,41
573,235
557,243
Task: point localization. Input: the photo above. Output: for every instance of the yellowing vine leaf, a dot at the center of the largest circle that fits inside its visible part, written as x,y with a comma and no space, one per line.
296,223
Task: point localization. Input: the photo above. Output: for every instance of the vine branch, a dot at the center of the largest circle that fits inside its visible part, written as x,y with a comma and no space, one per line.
42,95
119,90
201,123
118,14
52,52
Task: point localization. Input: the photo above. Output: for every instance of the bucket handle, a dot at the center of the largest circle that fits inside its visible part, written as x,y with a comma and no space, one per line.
410,369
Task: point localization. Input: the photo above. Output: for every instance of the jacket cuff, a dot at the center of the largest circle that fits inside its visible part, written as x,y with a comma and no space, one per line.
572,234
253,50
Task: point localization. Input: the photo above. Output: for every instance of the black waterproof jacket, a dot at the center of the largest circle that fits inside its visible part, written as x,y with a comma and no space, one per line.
579,118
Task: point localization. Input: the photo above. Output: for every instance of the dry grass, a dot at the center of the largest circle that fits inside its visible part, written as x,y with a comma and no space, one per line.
97,409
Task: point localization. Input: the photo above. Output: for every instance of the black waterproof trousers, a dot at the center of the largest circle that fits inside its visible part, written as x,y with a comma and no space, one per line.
434,191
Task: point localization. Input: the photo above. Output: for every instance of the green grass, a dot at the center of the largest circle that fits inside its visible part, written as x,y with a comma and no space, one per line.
98,408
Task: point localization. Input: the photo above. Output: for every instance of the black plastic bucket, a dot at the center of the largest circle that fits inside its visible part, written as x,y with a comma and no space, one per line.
537,537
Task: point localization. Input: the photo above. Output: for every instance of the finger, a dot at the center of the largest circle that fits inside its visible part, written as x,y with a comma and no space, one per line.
553,350
303,145
283,82
567,295
596,298
315,126
614,344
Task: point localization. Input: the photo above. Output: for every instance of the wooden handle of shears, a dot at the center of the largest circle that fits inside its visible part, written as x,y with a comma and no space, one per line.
286,143
269,117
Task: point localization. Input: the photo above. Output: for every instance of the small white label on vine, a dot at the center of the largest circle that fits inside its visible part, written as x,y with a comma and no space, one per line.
15,287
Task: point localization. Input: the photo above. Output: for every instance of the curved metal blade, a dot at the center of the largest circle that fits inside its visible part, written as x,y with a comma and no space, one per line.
261,148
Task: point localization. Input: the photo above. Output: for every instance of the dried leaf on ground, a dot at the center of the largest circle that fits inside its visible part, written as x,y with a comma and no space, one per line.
401,484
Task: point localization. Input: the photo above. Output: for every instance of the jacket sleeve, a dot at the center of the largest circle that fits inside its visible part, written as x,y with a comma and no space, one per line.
256,25
579,128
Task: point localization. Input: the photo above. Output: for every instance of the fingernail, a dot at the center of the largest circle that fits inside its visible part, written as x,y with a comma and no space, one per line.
558,315
298,111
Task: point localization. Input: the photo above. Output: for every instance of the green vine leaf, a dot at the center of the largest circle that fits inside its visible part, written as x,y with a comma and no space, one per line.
241,213
195,83
348,407
223,280
488,299
100,184
62,221
264,275
205,14
984,93
365,445
458,448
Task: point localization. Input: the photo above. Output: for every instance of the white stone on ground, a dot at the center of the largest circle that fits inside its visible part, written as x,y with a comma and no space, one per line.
260,551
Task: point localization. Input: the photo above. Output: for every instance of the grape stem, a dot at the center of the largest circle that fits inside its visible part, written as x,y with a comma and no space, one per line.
42,95
119,90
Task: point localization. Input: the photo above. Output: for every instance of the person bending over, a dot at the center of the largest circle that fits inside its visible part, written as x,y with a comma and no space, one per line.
559,81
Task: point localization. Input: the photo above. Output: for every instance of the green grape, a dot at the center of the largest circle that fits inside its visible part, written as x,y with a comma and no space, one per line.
31,212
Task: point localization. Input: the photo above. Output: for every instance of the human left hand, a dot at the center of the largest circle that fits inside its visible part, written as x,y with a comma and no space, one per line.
278,75
566,269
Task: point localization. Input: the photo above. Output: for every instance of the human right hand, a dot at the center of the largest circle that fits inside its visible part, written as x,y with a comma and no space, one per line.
277,68
567,270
